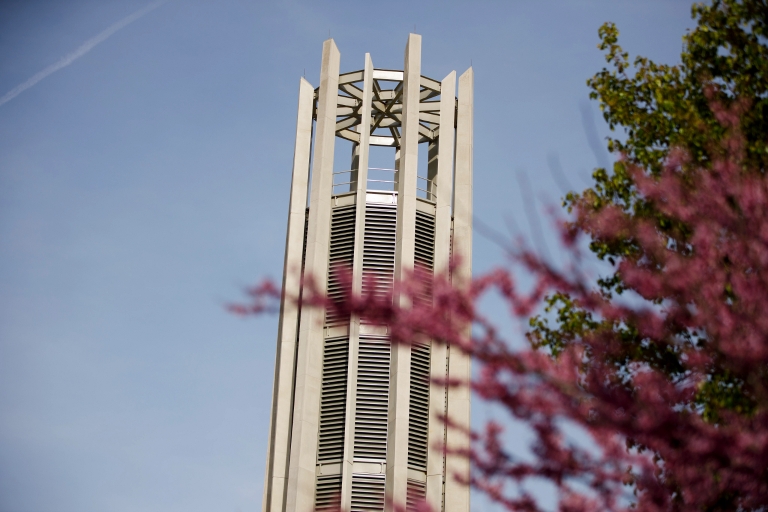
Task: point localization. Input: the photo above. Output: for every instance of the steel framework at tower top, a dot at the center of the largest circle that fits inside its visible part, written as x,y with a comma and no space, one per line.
354,420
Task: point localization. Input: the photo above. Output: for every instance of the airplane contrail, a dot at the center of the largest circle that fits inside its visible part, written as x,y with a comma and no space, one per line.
79,52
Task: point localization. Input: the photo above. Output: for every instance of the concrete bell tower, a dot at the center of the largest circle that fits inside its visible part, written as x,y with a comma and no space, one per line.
353,418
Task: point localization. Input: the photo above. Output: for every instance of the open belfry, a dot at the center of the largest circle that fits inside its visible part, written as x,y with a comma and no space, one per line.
354,419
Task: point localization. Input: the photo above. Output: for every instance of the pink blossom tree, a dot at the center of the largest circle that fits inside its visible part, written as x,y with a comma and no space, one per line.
701,295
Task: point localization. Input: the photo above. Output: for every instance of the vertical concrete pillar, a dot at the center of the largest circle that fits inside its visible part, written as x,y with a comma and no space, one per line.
443,181
282,393
355,164
362,151
400,366
306,413
433,150
456,494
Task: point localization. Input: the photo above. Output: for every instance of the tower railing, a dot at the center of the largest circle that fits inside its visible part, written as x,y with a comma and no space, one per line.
346,181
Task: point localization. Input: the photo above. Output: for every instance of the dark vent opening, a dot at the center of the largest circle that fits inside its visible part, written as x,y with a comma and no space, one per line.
418,407
342,248
367,493
380,237
328,493
372,402
416,492
333,400
424,255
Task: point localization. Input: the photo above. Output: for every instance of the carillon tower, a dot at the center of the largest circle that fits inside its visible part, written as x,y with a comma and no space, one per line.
353,418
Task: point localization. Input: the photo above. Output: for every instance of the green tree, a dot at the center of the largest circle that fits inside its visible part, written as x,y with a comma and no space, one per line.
655,108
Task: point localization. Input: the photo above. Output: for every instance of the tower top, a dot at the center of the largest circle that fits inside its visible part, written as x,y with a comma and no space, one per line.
386,103
386,107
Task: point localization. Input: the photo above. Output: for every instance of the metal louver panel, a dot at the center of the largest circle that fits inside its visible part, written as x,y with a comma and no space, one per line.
424,255
367,493
418,415
380,237
372,400
342,246
418,407
333,400
328,492
372,397
415,493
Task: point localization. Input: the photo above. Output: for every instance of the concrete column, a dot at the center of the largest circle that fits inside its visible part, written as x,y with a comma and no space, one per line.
306,413
433,150
362,151
354,165
276,473
443,179
456,494
400,366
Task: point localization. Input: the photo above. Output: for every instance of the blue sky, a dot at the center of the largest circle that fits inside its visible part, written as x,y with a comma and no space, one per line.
145,183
